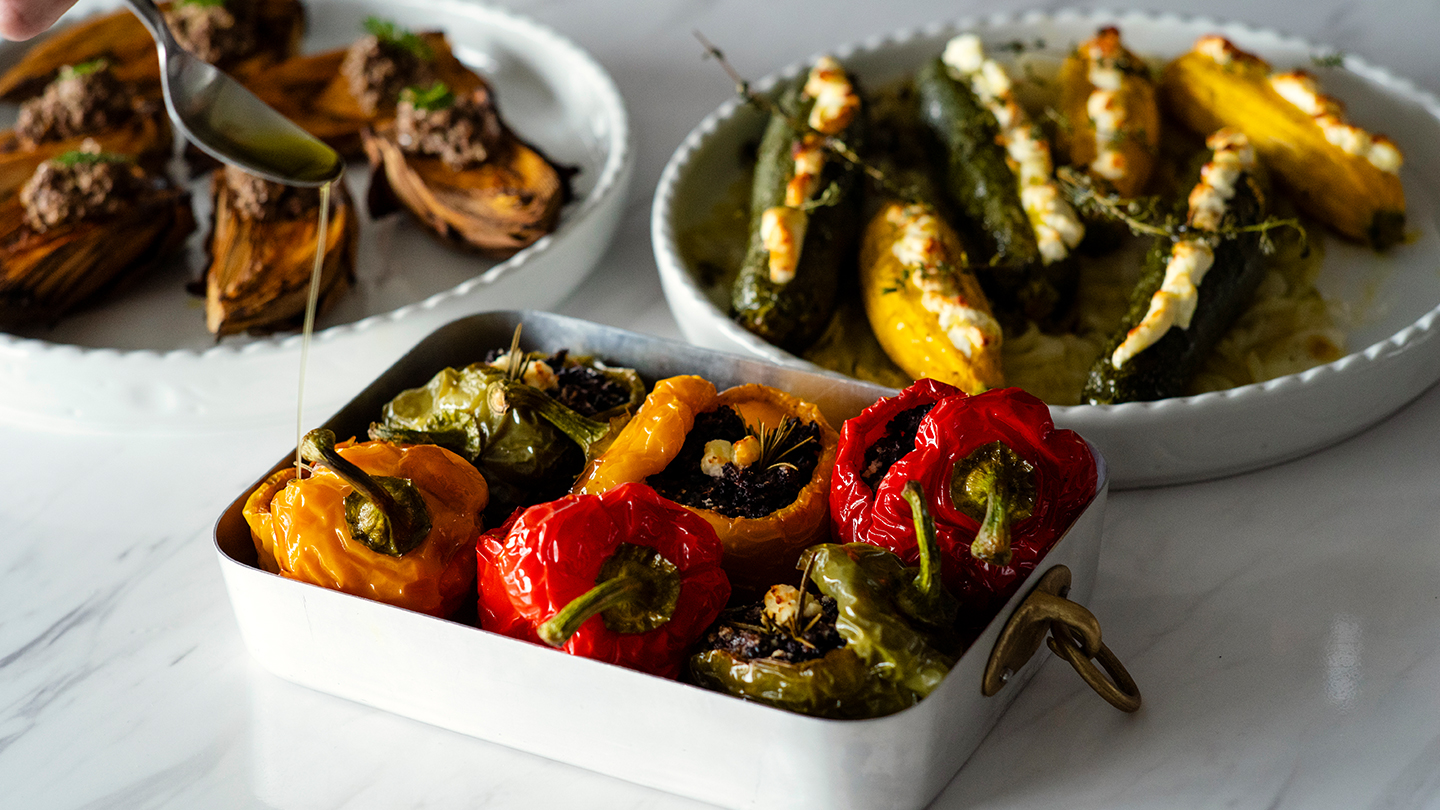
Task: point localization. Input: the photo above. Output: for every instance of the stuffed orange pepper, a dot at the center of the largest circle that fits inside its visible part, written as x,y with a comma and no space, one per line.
753,461
396,524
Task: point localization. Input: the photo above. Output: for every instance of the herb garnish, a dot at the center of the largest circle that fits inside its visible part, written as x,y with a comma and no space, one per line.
400,38
435,97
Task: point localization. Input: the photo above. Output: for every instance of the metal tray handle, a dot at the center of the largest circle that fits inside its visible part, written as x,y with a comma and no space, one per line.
1074,636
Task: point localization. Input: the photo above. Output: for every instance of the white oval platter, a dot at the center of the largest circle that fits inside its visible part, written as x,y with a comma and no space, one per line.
1393,297
144,361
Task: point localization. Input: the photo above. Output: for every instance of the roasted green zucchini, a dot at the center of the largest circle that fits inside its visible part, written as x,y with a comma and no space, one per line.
786,298
1175,321
998,174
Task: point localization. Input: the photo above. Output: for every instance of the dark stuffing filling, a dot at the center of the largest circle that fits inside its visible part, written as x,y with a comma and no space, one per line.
752,491
378,70
214,31
259,199
81,185
898,440
748,634
461,131
582,389
83,99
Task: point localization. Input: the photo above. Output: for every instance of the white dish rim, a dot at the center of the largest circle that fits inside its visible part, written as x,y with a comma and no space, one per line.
672,267
619,154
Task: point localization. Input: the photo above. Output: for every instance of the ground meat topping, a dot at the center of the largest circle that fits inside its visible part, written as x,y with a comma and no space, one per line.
461,131
898,440
83,99
751,491
214,30
748,633
80,185
259,199
379,68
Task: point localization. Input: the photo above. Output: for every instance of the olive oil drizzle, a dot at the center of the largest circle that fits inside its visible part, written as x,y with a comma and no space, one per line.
309,327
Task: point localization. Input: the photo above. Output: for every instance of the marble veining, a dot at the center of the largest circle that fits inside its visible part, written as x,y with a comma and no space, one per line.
1283,624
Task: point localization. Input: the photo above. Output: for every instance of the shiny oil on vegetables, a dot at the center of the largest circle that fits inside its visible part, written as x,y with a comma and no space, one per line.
753,461
389,523
1005,239
527,421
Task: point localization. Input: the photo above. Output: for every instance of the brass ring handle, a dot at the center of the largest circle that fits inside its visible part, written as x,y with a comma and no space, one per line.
1074,636
1119,690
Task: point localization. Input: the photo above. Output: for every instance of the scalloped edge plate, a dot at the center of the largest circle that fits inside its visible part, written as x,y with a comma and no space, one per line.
1185,438
245,382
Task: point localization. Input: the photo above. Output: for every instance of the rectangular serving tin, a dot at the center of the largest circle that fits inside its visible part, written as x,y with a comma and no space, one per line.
656,732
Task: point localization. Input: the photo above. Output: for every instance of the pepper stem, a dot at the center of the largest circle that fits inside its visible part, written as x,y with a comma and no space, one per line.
635,591
997,487
505,394
992,542
560,627
925,597
386,514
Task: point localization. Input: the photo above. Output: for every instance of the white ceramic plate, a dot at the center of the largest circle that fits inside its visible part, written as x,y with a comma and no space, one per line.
144,360
1394,296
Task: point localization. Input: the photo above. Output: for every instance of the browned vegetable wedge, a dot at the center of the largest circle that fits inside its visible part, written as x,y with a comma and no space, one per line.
1337,173
146,136
45,274
120,38
260,266
496,207
1112,123
311,91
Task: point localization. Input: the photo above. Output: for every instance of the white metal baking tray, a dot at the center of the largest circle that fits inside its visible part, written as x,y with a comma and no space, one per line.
656,732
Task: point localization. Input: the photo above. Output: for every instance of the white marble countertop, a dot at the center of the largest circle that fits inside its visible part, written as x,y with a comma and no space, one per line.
1284,625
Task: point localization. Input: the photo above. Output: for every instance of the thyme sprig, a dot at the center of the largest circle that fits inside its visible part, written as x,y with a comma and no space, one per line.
1141,215
831,143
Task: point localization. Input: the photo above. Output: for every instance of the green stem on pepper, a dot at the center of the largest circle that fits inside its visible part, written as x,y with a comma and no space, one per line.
925,598
387,514
995,486
506,394
635,592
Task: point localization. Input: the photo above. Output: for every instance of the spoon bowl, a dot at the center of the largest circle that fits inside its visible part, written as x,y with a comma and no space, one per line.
228,122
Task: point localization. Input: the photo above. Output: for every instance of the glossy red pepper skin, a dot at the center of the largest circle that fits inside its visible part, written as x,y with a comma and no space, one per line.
1065,481
851,499
545,556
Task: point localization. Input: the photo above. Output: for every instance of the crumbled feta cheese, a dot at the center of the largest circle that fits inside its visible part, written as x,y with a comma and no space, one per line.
836,101
536,374
1105,77
1217,48
1190,259
964,53
1384,155
1055,224
1109,164
1174,304
1300,88
719,453
782,232
920,249
809,157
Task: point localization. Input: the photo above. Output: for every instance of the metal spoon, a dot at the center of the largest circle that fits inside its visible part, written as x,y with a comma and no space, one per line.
221,117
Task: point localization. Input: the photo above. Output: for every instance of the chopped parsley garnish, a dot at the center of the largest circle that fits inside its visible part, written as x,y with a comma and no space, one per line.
396,37
435,97
1329,60
83,69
